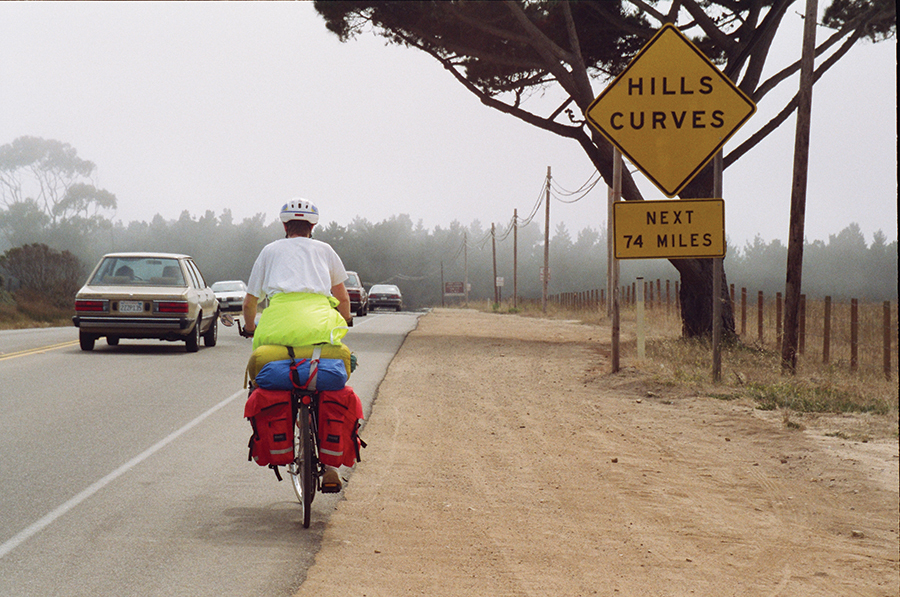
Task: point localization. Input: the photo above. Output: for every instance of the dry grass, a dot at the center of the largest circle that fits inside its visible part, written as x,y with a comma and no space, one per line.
752,370
20,312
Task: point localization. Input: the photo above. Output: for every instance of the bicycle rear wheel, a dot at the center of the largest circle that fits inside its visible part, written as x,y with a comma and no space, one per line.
302,472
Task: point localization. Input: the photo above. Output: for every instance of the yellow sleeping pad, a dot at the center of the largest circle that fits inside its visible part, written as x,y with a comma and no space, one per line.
269,352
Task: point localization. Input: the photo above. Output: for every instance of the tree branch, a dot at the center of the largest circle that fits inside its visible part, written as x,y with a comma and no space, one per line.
757,48
464,51
579,70
856,27
552,54
647,8
536,38
513,110
710,28
623,25
673,11
789,108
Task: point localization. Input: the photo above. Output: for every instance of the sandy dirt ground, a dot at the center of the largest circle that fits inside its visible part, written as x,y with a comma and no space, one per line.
505,459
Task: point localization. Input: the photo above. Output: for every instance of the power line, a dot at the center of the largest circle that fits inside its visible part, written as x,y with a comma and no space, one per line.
582,191
537,204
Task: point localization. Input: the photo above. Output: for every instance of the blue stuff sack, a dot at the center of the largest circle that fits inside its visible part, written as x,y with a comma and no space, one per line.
276,375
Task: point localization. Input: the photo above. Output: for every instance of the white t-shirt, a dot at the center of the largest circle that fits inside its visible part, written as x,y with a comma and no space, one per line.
296,265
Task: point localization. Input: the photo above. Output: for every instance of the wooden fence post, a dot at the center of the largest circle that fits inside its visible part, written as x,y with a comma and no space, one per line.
801,339
887,340
668,304
760,302
778,326
854,335
826,340
743,311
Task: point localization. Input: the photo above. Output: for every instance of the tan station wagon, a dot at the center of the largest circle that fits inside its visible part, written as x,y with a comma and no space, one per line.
146,295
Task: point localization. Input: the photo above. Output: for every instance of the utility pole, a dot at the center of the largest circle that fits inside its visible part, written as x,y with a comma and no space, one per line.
515,259
546,244
494,256
466,265
798,194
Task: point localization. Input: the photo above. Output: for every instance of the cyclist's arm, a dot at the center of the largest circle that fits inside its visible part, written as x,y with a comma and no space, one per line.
339,291
248,310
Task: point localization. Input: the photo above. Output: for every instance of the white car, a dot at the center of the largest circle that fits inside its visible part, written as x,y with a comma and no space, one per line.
230,294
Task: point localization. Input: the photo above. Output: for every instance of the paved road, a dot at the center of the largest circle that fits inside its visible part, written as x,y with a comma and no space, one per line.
124,470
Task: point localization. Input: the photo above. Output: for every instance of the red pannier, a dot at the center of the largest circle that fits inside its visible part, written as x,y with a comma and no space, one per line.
339,414
270,414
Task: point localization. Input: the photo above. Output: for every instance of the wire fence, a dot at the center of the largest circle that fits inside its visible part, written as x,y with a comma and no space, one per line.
856,336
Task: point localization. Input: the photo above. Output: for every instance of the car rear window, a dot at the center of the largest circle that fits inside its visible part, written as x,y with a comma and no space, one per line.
228,286
351,280
138,271
384,289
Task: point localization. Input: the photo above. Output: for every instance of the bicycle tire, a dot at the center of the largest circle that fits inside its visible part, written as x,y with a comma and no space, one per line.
302,470
295,468
307,478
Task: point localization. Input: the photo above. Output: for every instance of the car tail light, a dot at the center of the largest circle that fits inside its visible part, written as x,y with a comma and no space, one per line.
170,306
94,305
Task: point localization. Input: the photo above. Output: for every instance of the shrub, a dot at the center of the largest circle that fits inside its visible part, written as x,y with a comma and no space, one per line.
44,272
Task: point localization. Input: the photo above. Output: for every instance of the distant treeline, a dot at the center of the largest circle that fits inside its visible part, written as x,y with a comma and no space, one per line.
400,252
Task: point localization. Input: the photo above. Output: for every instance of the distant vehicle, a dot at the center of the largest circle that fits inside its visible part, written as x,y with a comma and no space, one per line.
385,295
230,294
359,299
146,295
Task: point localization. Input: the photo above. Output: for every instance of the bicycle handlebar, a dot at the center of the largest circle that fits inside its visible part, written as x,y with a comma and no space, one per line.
243,332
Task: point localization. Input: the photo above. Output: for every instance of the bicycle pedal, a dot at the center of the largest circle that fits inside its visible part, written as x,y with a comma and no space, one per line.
331,482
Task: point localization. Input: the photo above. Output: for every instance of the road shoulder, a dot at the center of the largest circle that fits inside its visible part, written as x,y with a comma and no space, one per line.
503,459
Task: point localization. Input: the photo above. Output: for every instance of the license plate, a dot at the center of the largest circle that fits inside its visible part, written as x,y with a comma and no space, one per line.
131,306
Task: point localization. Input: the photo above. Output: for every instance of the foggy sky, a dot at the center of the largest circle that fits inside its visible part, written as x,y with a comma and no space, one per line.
208,106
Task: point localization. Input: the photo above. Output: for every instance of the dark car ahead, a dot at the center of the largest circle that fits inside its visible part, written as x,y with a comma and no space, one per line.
359,299
385,295
146,295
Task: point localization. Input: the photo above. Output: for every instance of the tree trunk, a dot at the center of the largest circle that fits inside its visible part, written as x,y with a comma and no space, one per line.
696,294
696,274
697,278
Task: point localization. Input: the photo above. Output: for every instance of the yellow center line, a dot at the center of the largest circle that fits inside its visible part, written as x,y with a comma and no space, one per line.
38,350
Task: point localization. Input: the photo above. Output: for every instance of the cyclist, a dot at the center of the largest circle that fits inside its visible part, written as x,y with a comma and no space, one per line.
304,281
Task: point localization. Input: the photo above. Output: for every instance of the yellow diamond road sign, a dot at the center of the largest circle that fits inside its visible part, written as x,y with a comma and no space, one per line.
670,110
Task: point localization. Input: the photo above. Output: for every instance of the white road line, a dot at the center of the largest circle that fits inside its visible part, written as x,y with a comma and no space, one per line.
51,517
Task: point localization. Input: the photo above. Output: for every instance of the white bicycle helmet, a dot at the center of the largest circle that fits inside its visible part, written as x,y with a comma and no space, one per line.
299,209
